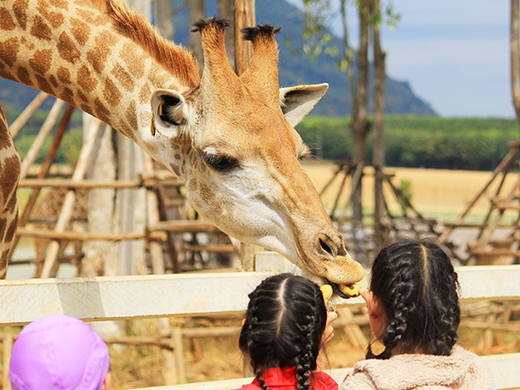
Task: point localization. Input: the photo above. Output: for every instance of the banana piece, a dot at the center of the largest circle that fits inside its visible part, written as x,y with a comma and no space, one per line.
326,290
352,290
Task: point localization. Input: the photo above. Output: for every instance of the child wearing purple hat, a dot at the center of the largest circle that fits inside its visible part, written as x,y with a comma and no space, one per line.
59,352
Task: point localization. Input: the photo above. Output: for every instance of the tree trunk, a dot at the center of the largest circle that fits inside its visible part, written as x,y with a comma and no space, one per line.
349,56
226,10
515,57
196,12
360,124
164,18
379,136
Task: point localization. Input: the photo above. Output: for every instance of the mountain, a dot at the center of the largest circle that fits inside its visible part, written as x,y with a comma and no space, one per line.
293,68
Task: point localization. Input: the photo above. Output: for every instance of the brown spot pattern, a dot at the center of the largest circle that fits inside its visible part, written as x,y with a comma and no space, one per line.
41,61
9,51
68,95
6,21
80,31
98,57
131,115
134,62
10,174
40,29
53,81
111,93
145,94
64,75
67,49
82,96
91,18
85,81
12,229
101,110
54,18
86,108
43,85
60,4
20,12
3,226
24,76
124,77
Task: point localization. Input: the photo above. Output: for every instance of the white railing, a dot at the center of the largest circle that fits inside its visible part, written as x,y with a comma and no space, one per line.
131,297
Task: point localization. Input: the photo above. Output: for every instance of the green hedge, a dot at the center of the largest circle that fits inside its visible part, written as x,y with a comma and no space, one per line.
413,141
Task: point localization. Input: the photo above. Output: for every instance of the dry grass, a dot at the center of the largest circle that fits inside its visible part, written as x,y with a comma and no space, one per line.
435,192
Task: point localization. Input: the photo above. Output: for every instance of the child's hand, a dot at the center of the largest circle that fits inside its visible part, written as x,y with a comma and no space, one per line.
328,333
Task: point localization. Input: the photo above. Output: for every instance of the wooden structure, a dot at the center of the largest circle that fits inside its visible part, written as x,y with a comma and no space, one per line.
130,297
363,239
498,234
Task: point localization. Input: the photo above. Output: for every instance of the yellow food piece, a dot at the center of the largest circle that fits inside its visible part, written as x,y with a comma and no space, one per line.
326,290
351,290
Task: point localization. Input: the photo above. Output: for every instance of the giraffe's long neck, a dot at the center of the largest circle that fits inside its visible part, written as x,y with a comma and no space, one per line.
71,49
10,166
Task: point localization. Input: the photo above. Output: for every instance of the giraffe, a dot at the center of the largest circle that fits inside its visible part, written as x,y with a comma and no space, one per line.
230,138
10,167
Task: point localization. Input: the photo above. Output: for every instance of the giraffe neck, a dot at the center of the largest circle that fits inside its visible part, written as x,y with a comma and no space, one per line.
71,49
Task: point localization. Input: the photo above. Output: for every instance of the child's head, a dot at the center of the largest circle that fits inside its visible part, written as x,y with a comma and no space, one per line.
285,320
58,352
414,287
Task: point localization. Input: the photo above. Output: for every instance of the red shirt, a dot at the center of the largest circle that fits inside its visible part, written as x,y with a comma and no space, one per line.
285,379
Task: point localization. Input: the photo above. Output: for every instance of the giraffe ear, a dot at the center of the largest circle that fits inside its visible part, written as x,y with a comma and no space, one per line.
170,114
298,101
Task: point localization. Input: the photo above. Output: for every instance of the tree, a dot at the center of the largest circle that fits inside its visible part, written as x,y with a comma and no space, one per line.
370,18
515,56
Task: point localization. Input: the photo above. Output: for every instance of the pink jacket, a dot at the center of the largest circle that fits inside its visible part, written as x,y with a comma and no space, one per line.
461,370
285,379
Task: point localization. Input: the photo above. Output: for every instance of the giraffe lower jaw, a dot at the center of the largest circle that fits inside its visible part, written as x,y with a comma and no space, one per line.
345,291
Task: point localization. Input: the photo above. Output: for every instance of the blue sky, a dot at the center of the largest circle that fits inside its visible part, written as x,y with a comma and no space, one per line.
455,54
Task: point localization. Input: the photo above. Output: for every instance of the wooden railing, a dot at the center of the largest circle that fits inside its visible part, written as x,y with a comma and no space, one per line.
132,297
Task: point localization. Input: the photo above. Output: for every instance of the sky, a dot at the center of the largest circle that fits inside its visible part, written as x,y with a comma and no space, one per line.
455,54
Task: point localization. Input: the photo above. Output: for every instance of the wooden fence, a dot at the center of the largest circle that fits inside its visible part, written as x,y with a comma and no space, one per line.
132,297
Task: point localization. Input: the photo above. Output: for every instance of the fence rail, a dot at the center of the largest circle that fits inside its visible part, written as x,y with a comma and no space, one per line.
131,297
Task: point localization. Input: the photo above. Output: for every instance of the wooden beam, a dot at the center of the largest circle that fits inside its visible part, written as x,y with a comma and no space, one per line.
503,368
126,297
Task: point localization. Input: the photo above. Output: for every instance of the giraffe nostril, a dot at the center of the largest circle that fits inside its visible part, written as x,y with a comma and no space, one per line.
326,247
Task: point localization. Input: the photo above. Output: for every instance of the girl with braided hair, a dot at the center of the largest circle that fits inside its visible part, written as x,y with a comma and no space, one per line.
413,309
286,324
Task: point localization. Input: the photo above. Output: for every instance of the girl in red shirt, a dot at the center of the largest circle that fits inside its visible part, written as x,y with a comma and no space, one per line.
286,324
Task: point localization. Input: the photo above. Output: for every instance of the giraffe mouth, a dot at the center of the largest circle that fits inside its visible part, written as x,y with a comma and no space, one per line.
345,291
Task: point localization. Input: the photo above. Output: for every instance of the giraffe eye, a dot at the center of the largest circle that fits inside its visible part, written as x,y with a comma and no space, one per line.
220,162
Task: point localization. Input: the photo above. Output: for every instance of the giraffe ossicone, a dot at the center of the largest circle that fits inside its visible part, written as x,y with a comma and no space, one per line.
230,138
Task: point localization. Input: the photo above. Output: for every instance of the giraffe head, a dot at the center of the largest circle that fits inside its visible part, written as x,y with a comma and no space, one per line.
241,155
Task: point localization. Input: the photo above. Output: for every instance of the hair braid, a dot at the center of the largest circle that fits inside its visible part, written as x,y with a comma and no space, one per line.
260,378
416,284
285,319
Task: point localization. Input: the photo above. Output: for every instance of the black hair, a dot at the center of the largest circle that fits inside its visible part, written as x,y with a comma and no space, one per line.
284,323
416,285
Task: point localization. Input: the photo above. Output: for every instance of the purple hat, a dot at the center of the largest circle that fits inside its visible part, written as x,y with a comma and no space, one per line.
58,352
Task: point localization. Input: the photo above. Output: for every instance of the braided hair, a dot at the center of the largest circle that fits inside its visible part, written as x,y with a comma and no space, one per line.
285,320
416,285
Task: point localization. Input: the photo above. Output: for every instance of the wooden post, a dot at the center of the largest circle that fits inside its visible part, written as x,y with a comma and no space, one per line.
379,134
44,169
8,349
68,204
244,17
27,113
